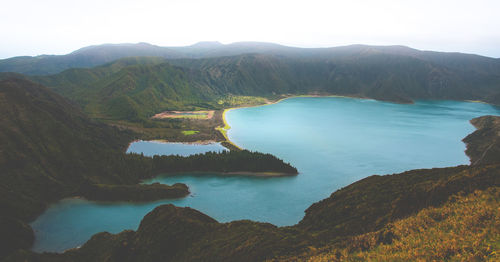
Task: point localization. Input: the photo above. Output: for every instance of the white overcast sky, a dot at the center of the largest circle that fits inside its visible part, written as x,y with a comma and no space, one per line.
33,27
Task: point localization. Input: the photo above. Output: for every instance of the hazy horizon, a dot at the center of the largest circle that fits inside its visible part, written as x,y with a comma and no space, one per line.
104,44
59,27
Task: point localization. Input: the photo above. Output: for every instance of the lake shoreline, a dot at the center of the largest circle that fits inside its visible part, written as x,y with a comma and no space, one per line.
235,173
164,141
227,143
223,129
283,180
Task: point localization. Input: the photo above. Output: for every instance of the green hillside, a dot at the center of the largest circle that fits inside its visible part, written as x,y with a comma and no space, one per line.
131,89
365,73
134,89
393,73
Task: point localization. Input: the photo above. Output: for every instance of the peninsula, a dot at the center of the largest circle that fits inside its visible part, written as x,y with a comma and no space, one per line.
51,143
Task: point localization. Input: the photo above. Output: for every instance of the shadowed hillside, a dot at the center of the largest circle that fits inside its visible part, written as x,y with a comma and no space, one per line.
488,130
49,150
50,143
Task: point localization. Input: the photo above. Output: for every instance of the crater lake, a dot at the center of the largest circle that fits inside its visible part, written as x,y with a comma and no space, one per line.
332,141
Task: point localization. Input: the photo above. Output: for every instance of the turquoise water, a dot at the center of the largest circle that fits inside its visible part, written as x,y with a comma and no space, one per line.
332,141
151,148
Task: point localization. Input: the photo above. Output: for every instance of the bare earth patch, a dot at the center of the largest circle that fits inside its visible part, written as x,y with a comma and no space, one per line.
207,114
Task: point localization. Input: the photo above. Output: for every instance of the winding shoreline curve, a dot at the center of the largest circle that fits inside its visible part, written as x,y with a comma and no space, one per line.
223,129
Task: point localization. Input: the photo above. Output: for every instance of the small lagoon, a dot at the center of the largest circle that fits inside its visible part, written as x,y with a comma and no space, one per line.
332,141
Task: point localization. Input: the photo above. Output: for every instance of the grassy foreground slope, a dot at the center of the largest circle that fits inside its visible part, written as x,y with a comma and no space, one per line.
466,228
362,217
49,149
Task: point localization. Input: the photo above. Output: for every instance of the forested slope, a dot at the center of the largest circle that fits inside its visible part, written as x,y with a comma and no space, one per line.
49,149
134,89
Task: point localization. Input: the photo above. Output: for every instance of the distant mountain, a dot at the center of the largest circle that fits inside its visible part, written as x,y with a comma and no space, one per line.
85,57
216,49
101,54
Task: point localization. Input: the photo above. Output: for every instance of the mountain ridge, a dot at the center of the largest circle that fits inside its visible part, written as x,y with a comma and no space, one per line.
100,54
